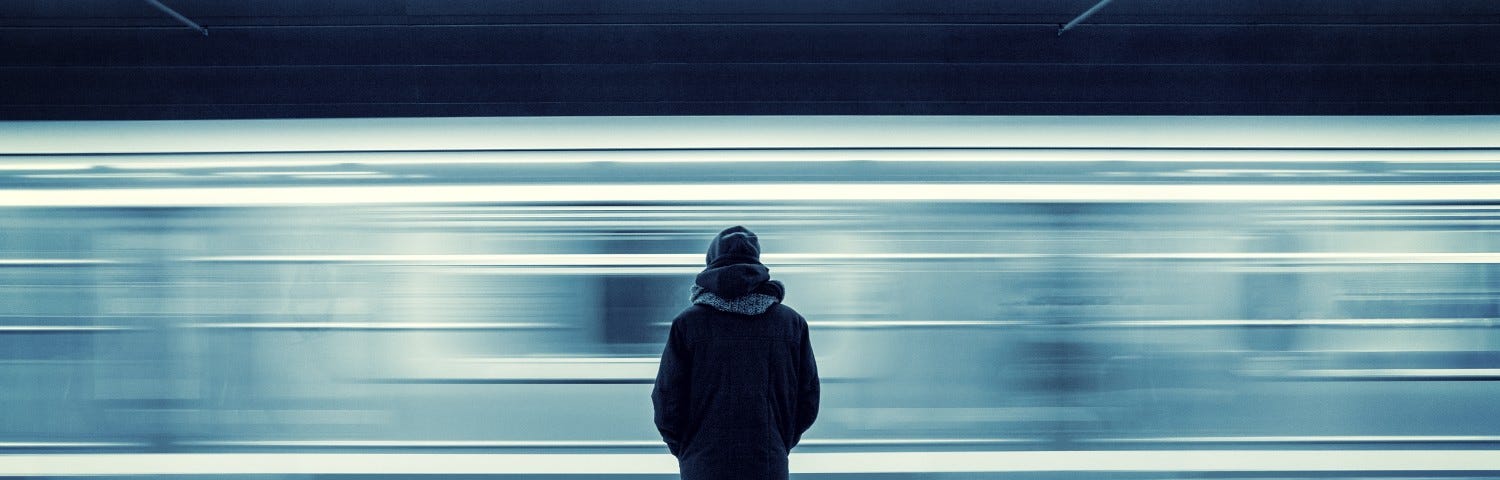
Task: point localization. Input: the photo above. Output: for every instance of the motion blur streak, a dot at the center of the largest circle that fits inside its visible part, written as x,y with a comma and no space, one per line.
989,297
1237,461
822,192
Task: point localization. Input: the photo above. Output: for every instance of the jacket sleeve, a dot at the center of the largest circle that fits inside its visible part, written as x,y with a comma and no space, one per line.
808,388
670,395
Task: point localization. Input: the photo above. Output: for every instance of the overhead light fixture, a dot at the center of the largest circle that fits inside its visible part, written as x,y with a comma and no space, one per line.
1070,25
185,21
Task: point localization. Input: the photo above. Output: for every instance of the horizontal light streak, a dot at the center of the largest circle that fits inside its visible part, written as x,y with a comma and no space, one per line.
1309,322
61,328
595,259
695,260
427,444
1303,322
1415,223
877,324
1396,207
213,161
127,175
300,173
720,132
1396,373
771,192
53,262
1263,172
818,324
1309,439
522,371
801,463
375,326
511,444
583,270
72,445
1187,323
569,209
649,214
875,442
813,442
1395,214
601,224
1319,257
563,360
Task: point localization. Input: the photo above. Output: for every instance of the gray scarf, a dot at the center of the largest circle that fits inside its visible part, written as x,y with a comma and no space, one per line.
748,304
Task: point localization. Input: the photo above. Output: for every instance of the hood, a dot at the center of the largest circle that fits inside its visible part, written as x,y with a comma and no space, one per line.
734,280
733,245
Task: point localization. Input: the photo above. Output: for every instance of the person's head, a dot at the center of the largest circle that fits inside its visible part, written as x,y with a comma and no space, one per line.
734,245
734,269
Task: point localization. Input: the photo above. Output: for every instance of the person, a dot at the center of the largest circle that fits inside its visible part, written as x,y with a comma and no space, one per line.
738,385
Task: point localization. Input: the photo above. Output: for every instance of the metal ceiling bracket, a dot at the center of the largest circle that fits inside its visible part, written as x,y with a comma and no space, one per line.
1086,14
169,11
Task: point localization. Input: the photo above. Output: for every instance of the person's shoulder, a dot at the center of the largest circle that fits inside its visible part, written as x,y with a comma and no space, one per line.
788,314
692,323
693,313
785,310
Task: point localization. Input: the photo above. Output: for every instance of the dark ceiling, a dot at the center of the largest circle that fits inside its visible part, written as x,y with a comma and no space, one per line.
124,59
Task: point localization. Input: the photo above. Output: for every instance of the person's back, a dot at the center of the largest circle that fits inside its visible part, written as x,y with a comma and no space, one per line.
738,384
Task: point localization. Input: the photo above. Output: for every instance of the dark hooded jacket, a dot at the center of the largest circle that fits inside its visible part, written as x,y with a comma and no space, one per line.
737,385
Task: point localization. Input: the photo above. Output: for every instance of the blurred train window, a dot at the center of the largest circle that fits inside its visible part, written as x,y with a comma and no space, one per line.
635,307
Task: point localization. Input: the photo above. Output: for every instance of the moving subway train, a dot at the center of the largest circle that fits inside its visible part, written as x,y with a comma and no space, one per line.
1021,297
